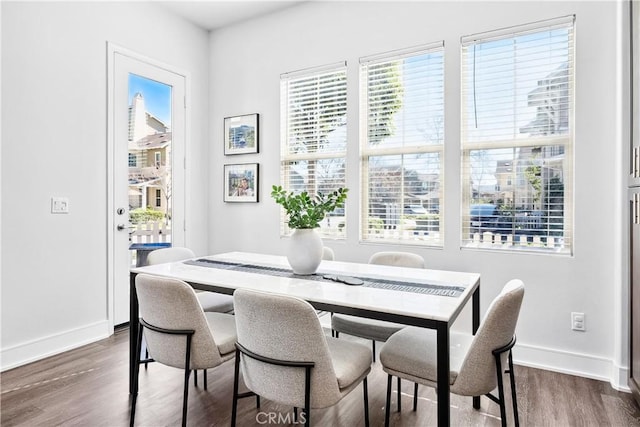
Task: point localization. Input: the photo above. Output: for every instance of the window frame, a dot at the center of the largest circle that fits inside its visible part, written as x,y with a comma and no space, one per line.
400,236
339,69
565,140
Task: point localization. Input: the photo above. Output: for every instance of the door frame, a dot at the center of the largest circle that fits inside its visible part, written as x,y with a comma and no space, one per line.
113,50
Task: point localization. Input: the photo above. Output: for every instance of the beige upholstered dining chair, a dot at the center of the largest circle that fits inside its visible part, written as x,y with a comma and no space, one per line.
285,356
476,369
378,330
210,301
327,254
397,259
375,330
178,332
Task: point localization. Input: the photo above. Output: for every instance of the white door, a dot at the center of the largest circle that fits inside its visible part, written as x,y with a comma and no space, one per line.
147,144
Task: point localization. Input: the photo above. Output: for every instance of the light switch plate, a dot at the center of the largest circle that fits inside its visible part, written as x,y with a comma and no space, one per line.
577,321
59,205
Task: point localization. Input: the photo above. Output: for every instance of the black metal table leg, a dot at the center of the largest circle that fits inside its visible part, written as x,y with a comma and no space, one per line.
443,373
133,329
475,326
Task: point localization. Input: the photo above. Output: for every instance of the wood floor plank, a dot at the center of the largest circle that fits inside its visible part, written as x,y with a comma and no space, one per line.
89,387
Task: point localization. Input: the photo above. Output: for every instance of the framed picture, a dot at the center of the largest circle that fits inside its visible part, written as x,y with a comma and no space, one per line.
241,134
241,183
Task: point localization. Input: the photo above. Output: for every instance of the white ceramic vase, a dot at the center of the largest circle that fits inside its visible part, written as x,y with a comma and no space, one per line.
305,251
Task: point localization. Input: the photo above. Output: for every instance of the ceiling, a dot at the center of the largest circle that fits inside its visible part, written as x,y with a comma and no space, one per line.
214,14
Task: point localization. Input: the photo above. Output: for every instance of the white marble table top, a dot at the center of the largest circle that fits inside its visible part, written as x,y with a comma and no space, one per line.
406,304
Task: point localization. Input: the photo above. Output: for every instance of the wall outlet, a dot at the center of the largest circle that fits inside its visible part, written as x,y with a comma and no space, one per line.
577,321
59,205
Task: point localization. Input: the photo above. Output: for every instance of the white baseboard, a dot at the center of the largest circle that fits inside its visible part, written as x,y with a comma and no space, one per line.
620,378
40,348
582,365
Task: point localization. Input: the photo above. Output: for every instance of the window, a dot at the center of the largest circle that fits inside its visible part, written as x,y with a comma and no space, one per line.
402,145
158,158
158,198
314,136
133,160
517,127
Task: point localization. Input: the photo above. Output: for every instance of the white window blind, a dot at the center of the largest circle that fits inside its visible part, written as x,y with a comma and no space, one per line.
402,130
314,137
517,136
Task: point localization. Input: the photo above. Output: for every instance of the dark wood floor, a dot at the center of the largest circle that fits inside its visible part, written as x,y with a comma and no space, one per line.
89,387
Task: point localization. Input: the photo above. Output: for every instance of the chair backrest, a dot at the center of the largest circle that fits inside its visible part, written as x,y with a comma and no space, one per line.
284,328
397,259
172,254
327,254
477,375
172,304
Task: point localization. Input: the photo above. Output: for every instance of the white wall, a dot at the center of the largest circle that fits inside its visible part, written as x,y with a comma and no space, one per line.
54,121
247,60
54,290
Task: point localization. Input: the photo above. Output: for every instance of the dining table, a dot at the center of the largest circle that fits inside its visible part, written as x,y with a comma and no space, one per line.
426,298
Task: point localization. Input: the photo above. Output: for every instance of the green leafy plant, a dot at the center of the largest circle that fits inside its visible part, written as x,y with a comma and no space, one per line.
142,215
305,211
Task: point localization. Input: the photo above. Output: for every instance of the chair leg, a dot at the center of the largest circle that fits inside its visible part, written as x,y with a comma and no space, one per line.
399,397
257,401
205,379
337,334
136,368
295,414
187,372
307,396
236,372
388,403
366,402
513,391
373,350
415,397
195,377
333,332
499,372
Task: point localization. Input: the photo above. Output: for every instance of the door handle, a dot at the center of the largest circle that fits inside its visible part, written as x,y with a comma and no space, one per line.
121,227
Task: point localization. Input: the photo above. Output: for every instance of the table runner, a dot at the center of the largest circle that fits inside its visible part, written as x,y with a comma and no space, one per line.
422,288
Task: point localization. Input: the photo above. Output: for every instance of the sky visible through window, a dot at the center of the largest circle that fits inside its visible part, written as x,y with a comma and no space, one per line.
503,73
501,76
420,119
157,96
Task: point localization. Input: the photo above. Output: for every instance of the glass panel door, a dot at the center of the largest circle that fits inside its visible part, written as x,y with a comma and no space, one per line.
147,189
150,165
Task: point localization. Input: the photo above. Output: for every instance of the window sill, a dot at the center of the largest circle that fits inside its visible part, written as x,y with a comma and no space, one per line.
516,248
420,240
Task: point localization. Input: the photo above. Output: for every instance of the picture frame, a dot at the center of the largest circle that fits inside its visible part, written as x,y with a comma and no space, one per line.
241,134
241,183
